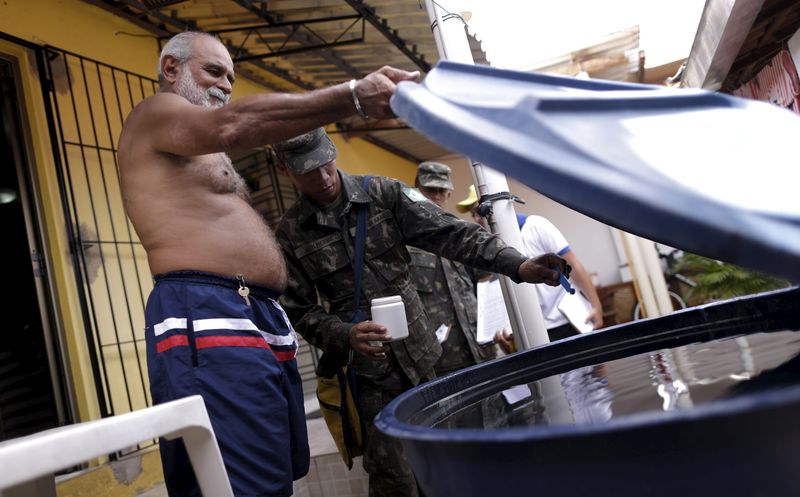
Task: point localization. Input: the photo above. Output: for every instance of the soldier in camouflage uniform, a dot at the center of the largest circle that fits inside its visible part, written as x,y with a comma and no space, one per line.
446,287
317,235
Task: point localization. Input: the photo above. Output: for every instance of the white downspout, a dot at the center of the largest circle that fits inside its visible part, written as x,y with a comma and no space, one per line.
639,274
526,320
656,276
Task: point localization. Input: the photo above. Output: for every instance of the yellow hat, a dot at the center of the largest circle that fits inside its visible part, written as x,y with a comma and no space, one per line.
465,204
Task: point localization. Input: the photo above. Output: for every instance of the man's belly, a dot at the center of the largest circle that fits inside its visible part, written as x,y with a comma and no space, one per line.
255,257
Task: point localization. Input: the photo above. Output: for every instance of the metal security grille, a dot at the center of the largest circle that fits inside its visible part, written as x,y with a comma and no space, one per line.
89,101
273,191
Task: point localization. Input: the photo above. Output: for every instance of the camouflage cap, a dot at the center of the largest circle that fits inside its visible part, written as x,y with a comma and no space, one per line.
434,175
302,154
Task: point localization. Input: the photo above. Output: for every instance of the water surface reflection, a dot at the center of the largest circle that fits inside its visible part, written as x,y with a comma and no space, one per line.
663,380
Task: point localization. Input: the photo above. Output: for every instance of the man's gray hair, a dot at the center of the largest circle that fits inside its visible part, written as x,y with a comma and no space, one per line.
180,47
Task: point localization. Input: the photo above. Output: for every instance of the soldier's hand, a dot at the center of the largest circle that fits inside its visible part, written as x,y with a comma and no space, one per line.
540,269
374,90
363,333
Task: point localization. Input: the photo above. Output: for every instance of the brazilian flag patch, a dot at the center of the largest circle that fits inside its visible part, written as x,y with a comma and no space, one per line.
414,195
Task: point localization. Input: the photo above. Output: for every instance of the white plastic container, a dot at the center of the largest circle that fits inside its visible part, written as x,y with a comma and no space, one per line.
390,312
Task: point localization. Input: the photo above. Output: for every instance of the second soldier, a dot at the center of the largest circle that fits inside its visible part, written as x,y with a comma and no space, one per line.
446,287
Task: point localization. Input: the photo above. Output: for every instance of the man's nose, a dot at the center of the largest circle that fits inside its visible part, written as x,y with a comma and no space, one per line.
225,86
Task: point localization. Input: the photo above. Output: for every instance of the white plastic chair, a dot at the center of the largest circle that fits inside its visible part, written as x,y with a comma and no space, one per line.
42,454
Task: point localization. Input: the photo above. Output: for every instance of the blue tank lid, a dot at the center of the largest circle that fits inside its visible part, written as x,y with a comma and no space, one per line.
705,172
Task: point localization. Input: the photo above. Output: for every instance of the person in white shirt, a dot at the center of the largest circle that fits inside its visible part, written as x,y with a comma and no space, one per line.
540,236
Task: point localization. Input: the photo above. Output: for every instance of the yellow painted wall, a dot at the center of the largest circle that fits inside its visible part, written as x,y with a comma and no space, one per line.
91,32
359,157
125,478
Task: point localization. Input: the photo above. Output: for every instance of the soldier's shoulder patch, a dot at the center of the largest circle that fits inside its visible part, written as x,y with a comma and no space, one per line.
414,195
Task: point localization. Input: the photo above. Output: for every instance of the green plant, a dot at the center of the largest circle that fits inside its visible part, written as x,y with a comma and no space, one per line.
716,280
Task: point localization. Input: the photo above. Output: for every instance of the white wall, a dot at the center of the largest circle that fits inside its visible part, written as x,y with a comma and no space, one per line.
794,49
590,240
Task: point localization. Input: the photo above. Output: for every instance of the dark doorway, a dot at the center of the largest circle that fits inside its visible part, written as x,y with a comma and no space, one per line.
28,396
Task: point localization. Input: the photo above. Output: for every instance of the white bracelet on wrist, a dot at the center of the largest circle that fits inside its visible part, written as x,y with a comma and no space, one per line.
359,109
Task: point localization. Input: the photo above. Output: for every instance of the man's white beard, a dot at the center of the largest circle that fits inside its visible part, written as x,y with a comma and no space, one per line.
188,88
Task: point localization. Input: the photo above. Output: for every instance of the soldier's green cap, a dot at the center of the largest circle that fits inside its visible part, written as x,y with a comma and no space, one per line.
434,175
302,154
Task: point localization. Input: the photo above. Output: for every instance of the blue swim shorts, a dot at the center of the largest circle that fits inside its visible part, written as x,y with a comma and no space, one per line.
204,338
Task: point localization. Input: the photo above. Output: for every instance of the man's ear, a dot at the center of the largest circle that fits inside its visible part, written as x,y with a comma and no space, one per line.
169,68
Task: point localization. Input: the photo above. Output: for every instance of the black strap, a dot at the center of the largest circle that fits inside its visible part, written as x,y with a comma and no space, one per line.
347,376
486,201
358,257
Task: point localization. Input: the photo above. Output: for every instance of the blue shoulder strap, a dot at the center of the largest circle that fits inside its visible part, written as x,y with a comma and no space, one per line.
348,376
358,256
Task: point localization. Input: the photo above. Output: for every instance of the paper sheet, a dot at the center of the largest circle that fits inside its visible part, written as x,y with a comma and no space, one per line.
516,393
576,309
492,314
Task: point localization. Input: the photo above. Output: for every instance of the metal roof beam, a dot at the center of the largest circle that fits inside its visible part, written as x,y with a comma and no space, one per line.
250,57
287,23
328,55
183,25
390,34
307,43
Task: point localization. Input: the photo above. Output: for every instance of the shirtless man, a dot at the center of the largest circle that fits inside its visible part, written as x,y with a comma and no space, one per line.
213,325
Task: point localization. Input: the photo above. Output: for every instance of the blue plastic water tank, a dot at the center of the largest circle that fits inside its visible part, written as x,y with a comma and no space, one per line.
743,443
699,171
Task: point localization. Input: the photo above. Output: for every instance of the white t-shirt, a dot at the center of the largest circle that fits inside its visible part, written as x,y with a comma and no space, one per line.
539,236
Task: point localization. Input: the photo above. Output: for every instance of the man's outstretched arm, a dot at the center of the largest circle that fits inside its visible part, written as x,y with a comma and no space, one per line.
178,127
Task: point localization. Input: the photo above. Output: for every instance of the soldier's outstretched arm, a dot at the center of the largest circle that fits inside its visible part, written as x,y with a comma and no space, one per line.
425,225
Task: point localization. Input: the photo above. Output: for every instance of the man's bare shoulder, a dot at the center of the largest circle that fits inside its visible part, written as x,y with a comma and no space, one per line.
168,123
155,107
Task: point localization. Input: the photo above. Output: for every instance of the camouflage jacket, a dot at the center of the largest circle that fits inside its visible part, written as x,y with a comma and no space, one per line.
319,248
447,293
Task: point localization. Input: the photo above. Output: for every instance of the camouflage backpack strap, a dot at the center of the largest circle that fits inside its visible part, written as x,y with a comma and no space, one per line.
358,256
